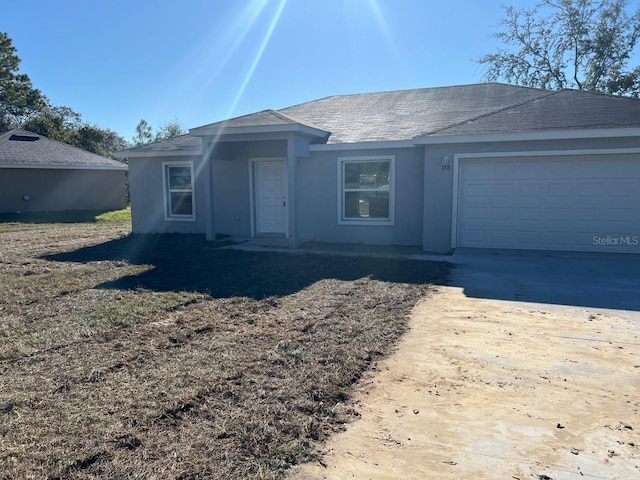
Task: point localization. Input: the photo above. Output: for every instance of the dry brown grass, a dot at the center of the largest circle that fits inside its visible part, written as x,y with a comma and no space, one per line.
165,357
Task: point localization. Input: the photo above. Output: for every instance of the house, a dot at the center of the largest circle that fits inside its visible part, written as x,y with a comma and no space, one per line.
39,174
481,166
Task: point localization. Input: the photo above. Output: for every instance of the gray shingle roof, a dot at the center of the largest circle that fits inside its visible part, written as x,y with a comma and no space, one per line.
561,110
21,148
404,114
486,108
259,119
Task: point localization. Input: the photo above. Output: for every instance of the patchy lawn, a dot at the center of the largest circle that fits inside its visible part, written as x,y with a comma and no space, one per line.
126,356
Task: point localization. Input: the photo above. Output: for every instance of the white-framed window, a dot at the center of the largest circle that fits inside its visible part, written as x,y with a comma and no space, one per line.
366,190
179,193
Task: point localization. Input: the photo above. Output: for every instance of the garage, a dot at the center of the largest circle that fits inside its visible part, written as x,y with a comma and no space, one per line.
543,201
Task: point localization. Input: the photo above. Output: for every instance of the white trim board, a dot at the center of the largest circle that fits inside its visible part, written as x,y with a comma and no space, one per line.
330,147
160,153
518,137
124,167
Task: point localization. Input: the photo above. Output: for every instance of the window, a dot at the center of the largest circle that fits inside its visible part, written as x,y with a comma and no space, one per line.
366,190
179,195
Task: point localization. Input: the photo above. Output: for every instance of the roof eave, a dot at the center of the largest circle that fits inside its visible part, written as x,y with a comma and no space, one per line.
124,167
366,145
219,131
567,134
158,153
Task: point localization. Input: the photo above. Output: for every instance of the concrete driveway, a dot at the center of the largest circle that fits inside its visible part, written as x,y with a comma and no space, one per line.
554,281
526,367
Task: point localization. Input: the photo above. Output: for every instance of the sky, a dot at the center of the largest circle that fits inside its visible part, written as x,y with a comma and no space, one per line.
200,61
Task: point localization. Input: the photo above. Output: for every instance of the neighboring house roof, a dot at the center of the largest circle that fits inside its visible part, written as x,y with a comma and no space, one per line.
23,149
465,110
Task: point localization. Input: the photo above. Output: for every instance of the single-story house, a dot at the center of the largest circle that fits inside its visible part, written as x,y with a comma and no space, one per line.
481,166
39,174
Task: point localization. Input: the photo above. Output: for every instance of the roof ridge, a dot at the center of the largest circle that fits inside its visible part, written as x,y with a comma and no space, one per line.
292,119
282,116
488,114
439,87
598,94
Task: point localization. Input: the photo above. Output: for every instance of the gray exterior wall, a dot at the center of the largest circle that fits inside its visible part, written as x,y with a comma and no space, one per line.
438,190
317,195
423,191
317,200
61,189
147,197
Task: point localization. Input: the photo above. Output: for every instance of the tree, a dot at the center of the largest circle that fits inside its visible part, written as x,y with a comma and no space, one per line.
170,130
583,44
23,106
144,132
65,125
18,99
101,141
57,123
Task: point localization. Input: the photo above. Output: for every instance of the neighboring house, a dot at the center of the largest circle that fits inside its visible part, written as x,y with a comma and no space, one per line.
39,174
484,166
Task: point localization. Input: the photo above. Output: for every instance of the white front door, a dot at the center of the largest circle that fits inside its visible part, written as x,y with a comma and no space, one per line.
271,196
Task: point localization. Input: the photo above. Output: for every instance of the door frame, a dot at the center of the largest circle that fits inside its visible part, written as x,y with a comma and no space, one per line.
252,191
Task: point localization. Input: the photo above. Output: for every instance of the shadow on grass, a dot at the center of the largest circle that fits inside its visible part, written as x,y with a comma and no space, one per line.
190,263
75,216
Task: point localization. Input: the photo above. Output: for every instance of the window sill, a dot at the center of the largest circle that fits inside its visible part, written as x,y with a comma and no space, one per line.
368,223
179,219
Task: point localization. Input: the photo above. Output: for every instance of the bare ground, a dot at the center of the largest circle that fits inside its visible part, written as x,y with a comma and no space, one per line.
485,389
165,357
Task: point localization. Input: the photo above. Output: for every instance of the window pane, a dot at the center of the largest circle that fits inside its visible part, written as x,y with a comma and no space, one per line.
366,174
366,205
181,203
179,178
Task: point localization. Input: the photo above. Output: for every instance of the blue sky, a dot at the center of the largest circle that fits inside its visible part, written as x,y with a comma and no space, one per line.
200,61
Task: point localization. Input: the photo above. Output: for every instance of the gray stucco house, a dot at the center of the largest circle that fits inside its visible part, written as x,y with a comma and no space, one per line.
482,166
39,174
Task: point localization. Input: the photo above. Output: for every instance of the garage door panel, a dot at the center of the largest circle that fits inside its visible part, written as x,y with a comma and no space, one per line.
476,190
476,171
556,189
500,213
559,214
530,214
502,190
528,189
620,215
591,189
475,213
559,203
623,189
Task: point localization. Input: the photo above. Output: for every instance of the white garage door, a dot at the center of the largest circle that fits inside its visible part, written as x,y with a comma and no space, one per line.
573,203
